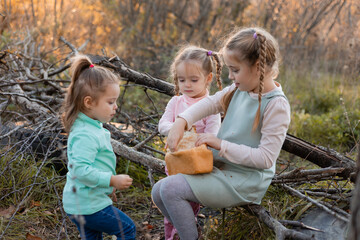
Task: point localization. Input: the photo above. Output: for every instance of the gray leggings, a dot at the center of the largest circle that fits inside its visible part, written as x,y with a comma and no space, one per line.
172,195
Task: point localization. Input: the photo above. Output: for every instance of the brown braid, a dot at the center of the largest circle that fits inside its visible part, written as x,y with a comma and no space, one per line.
177,89
262,61
262,49
218,69
225,101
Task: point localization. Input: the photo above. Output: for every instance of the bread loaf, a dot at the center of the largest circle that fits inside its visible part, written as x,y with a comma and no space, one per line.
189,159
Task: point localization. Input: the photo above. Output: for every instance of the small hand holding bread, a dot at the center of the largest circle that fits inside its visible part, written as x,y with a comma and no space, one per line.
189,159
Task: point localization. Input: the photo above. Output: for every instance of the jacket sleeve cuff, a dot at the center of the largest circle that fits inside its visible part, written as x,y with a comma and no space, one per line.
104,179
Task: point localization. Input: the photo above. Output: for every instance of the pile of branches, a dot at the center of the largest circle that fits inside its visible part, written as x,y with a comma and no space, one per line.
31,93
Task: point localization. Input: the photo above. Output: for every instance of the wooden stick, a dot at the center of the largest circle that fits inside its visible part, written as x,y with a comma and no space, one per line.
316,203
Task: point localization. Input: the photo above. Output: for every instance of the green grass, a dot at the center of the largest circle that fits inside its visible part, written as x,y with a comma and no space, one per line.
324,109
34,194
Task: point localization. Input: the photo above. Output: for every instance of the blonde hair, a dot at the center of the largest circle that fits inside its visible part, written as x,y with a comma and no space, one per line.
207,59
87,80
262,48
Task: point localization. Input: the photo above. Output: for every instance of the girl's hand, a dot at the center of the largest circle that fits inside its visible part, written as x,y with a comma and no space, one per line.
209,139
176,133
120,181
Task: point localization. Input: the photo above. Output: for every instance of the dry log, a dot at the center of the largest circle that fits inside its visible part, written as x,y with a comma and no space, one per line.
299,175
319,155
139,78
26,103
129,153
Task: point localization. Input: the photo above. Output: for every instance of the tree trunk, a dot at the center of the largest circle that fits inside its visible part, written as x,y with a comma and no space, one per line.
354,231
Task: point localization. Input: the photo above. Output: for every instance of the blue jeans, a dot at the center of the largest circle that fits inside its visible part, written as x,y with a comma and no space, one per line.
109,220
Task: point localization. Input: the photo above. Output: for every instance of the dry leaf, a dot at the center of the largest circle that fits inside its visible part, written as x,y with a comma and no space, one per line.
7,212
48,212
35,204
32,237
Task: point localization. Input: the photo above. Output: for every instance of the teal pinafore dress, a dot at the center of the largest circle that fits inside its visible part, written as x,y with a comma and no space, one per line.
231,184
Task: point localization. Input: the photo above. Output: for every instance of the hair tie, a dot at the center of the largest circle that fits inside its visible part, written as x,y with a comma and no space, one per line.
209,53
255,35
91,66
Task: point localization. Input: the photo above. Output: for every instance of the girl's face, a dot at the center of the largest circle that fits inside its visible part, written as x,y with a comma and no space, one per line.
192,80
104,109
245,77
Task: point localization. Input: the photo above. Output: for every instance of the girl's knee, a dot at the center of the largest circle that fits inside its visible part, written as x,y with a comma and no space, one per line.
155,193
168,190
173,187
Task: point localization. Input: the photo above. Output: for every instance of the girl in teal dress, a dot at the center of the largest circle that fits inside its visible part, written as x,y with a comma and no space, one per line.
256,118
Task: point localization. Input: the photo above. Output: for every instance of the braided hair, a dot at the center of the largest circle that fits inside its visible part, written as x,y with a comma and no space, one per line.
253,45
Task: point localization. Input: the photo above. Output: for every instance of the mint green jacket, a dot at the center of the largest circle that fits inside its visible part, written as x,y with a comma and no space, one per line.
91,163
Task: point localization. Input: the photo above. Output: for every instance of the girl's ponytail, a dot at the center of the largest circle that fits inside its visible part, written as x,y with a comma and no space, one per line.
262,61
71,105
78,65
86,80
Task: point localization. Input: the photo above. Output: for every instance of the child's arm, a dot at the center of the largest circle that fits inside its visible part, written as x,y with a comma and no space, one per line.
168,118
213,123
205,107
274,127
176,133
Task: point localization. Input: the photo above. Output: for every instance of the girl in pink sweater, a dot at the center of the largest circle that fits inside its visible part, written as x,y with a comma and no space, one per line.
192,71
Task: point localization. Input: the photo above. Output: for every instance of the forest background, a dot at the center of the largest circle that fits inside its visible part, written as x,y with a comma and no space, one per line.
319,42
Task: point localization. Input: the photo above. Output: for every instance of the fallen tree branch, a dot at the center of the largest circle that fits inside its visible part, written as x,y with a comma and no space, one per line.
281,232
300,175
134,76
335,209
299,172
317,155
129,153
27,103
316,203
327,195
299,224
